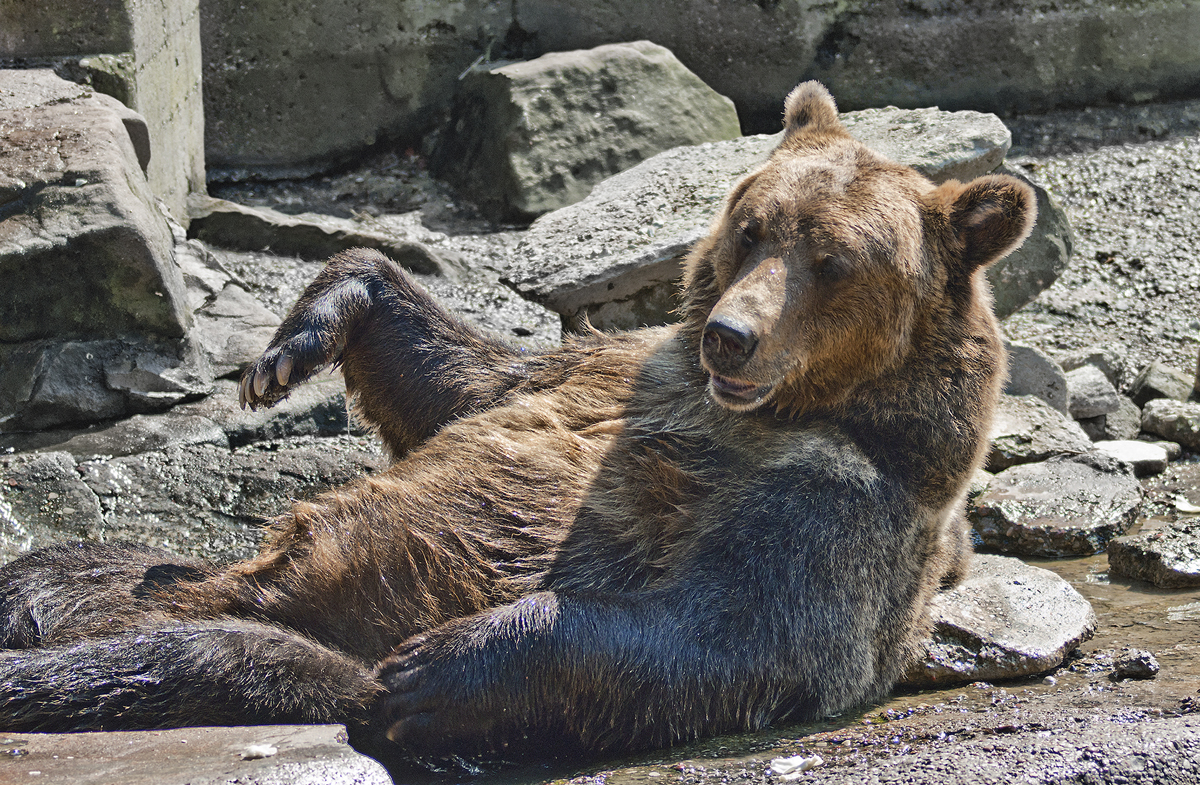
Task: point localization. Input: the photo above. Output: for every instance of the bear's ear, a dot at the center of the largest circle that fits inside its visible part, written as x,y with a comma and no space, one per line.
808,113
990,216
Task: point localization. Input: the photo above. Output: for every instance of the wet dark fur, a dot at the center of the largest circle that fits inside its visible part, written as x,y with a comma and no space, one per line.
635,540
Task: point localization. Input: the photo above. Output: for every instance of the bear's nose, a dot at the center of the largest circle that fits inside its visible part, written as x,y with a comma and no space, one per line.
728,343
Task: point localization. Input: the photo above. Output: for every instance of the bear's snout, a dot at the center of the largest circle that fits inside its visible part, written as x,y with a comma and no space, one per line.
727,344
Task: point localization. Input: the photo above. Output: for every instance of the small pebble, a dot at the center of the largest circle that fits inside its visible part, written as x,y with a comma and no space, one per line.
1050,680
1135,664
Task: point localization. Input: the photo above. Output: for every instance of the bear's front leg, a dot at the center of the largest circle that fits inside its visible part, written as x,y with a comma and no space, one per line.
409,366
553,672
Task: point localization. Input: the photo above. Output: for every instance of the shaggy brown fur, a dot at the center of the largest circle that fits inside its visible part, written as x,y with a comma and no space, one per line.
634,540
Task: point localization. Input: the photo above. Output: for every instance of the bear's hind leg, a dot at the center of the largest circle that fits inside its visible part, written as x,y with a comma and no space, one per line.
185,674
74,590
409,365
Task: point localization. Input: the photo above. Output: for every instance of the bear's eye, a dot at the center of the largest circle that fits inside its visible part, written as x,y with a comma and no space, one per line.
747,235
832,268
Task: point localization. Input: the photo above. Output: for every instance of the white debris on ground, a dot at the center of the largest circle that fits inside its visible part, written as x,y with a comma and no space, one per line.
788,769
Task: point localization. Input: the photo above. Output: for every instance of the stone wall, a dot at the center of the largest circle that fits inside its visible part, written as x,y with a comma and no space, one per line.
168,93
292,84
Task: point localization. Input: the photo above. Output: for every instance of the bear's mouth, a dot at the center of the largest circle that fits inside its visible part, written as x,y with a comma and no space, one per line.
738,395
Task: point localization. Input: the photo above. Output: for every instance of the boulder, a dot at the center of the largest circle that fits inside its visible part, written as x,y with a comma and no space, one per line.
1090,393
1020,277
1168,557
94,311
1032,372
617,255
1175,421
84,251
1066,506
1006,620
1146,459
1160,381
1125,422
1026,429
530,137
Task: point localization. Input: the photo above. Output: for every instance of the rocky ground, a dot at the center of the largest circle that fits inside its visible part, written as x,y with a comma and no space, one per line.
1130,182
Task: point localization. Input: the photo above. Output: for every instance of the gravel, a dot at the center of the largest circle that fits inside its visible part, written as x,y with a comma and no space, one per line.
1130,181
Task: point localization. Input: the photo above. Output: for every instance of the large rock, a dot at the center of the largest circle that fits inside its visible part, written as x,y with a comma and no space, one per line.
144,54
530,137
94,312
1168,557
616,256
1175,421
84,251
1066,506
1026,429
1006,620
1110,359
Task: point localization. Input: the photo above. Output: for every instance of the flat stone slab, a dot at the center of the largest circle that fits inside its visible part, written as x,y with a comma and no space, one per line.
260,755
308,235
1065,506
1146,459
618,253
1026,430
1006,620
1168,557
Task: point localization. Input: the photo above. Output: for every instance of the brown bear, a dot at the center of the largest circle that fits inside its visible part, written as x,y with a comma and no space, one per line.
634,540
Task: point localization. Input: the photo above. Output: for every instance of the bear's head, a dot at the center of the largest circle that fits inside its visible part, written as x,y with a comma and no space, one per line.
830,262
